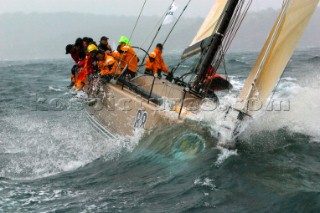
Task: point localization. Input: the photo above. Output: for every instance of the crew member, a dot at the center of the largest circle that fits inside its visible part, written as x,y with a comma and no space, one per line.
106,64
150,66
160,64
129,59
104,45
71,49
87,67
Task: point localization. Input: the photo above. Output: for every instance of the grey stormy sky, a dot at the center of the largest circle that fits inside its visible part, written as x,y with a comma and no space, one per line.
118,7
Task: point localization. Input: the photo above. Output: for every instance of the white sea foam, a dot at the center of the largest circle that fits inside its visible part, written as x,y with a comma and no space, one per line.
295,107
224,155
51,88
207,182
299,112
289,79
237,85
40,145
81,94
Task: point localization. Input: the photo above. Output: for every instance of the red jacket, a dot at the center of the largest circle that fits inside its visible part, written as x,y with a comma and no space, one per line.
75,56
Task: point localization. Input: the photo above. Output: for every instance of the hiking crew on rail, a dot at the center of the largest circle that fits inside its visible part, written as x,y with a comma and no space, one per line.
102,60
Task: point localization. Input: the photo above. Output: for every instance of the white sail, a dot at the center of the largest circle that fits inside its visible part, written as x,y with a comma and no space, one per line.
275,54
207,28
210,22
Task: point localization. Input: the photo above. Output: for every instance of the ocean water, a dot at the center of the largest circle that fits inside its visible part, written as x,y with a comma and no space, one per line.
53,160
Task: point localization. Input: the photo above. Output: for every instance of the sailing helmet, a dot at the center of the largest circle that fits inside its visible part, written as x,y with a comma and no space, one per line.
91,47
152,55
125,40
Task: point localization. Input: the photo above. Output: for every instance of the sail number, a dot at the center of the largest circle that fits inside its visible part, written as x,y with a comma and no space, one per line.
141,119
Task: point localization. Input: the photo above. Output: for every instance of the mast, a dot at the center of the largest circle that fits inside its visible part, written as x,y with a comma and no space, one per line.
215,43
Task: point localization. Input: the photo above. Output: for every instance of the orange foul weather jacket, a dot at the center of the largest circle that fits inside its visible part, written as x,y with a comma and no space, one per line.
129,57
159,62
116,55
108,66
152,66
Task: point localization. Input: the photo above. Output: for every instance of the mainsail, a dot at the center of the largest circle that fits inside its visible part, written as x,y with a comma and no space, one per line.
211,50
275,54
207,28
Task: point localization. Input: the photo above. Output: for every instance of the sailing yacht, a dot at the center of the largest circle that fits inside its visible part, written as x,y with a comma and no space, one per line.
146,102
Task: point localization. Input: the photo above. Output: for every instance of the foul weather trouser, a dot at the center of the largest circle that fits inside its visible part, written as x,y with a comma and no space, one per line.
73,73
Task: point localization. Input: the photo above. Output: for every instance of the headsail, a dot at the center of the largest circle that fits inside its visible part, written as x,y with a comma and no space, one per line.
276,53
207,28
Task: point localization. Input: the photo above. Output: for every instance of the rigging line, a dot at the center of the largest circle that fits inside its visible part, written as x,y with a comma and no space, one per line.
184,9
154,29
155,36
230,30
224,65
233,22
178,65
155,26
240,22
231,35
194,68
261,65
137,19
233,25
175,67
